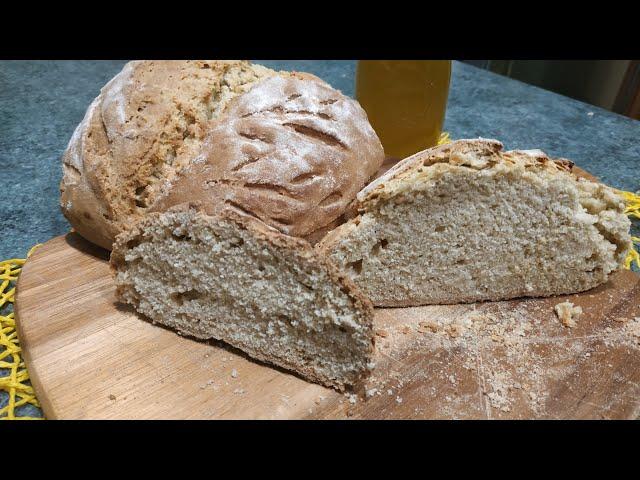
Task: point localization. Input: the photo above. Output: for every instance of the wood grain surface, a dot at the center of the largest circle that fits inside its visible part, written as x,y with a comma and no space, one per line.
90,357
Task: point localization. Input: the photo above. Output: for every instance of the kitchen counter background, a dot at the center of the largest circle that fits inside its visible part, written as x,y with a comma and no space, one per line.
41,102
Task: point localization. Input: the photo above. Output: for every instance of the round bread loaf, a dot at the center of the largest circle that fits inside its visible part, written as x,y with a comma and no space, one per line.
292,152
156,124
145,126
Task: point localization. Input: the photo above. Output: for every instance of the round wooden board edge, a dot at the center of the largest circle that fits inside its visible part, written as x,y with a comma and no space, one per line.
34,378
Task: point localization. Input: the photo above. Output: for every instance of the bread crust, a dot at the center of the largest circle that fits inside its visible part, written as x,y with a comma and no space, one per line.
478,154
293,152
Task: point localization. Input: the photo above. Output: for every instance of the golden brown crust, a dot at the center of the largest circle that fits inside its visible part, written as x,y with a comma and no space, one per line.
293,152
478,154
146,124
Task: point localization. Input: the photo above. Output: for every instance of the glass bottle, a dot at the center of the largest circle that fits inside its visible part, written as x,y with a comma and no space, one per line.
405,101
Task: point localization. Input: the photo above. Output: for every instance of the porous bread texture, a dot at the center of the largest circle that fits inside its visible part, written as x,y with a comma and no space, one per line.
146,125
231,277
291,152
467,222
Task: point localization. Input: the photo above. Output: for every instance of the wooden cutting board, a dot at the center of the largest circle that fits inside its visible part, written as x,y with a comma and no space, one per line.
91,358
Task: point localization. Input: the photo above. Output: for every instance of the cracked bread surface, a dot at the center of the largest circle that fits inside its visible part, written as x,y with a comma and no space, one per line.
292,152
468,222
146,125
232,278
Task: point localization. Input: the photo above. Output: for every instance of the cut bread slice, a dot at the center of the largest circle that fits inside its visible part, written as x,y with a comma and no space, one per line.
233,278
466,222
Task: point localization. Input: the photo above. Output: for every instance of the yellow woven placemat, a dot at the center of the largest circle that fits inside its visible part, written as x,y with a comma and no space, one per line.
633,210
15,384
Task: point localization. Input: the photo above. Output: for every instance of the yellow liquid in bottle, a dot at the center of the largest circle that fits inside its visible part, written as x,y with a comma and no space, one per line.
405,101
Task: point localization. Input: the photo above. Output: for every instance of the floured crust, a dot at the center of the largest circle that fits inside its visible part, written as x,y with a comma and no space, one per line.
478,154
293,152
145,126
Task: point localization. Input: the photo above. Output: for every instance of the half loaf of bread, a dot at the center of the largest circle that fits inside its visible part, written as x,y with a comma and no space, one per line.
233,278
468,221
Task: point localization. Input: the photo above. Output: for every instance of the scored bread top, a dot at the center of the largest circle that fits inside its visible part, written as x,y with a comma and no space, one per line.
147,124
478,154
292,151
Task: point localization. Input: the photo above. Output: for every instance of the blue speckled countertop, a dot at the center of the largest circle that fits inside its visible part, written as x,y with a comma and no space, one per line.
41,102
